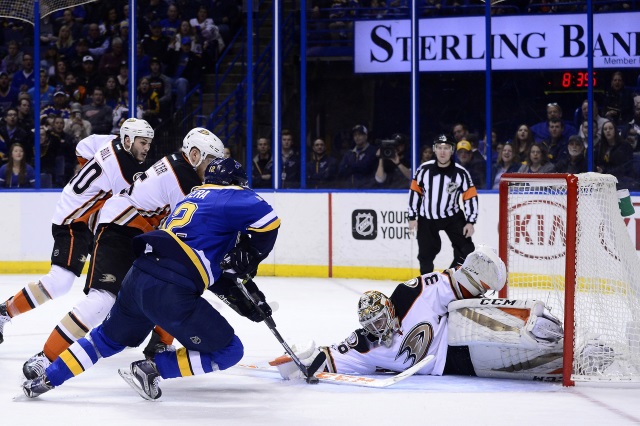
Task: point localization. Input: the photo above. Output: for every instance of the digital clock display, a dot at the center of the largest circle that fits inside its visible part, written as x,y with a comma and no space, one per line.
572,80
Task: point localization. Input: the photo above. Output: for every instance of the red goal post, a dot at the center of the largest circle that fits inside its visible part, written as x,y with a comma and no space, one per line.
564,242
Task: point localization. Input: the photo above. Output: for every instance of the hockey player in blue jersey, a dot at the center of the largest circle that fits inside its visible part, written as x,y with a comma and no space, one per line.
175,265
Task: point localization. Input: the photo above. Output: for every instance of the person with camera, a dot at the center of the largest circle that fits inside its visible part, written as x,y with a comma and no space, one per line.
394,168
434,206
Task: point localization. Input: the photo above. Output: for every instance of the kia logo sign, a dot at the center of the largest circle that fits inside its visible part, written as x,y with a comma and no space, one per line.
537,229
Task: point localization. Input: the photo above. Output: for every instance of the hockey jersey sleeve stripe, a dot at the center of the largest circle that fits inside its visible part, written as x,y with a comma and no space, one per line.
469,193
183,362
269,227
71,362
195,259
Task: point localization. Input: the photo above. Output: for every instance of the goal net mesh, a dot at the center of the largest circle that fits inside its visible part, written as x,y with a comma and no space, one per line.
24,10
606,337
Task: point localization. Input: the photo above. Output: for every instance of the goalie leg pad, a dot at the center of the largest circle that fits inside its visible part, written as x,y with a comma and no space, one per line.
516,339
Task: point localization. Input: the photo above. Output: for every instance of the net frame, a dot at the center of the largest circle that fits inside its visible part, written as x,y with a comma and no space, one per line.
577,286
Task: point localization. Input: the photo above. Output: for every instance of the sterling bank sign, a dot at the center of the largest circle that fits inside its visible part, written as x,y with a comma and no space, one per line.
518,43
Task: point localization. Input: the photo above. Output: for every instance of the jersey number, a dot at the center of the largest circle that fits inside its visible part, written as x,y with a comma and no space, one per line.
181,216
85,177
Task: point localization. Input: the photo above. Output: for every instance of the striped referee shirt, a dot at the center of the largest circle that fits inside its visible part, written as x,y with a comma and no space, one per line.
435,192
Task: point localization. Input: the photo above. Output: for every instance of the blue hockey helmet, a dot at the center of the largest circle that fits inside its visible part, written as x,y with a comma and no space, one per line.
225,171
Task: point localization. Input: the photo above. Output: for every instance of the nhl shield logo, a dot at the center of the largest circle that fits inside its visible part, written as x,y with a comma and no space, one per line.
452,187
195,340
364,224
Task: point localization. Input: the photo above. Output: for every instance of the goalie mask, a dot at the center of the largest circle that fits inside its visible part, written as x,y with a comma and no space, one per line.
378,316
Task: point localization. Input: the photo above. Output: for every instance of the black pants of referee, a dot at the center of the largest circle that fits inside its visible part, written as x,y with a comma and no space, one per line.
429,242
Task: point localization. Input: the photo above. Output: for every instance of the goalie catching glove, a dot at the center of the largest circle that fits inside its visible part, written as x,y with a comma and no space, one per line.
227,290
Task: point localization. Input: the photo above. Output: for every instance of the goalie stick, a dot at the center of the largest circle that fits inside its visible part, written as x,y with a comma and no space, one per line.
308,372
354,380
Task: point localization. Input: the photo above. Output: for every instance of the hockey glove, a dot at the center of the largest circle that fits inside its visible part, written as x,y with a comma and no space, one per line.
229,293
241,260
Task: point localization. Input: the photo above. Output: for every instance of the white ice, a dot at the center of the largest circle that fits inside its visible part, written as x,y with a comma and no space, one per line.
322,309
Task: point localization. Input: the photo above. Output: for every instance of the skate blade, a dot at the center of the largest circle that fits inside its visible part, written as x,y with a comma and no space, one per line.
128,377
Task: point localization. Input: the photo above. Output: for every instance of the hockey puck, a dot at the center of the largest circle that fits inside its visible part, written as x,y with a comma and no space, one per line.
312,380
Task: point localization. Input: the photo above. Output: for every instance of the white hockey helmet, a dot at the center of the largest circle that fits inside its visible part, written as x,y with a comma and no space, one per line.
377,316
205,141
133,127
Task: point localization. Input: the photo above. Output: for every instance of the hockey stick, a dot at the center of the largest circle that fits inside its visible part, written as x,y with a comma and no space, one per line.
349,379
308,372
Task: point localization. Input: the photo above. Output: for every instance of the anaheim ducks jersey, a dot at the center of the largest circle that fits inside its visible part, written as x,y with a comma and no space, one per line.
153,194
109,171
421,306
87,147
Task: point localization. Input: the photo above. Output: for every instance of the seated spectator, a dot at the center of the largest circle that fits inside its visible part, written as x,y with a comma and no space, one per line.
631,137
24,79
76,61
46,91
8,95
522,141
583,132
56,79
290,158
185,30
148,103
143,61
212,42
161,84
75,92
155,43
75,127
227,152
123,76
65,44
11,133
25,115
633,126
110,25
67,18
171,23
98,43
506,163
262,165
596,114
89,78
98,114
477,168
537,160
496,151
359,165
12,62
321,168
460,131
618,101
541,130
65,159
556,142
121,112
110,61
17,173
394,171
426,154
614,156
111,91
59,107
575,162
185,67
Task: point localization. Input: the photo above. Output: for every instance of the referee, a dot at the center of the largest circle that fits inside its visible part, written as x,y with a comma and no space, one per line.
434,206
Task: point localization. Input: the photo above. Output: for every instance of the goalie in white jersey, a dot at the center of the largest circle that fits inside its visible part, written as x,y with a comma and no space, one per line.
441,314
137,209
108,171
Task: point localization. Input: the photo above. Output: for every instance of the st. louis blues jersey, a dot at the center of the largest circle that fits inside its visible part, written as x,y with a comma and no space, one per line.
153,194
204,227
421,306
109,171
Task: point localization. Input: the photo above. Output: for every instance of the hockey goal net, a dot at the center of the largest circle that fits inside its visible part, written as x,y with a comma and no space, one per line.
564,242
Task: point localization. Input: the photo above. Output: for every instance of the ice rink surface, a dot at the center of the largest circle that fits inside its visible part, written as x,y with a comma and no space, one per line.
320,309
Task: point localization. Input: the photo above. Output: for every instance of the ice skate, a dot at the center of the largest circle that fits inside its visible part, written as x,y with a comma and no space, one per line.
143,377
36,387
35,366
4,317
